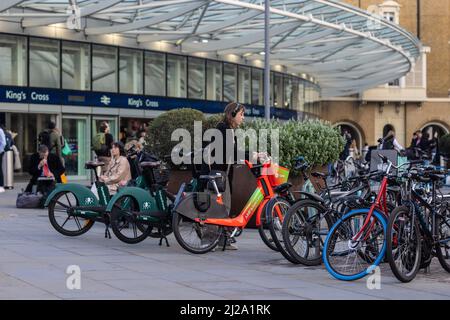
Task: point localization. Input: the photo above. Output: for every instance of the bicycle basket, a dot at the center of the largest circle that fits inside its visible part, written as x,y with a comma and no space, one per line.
161,176
277,174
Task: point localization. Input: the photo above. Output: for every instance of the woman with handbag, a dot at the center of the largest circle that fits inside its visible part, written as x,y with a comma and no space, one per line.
223,164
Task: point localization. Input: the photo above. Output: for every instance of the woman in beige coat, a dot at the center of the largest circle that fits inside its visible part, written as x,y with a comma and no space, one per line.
118,171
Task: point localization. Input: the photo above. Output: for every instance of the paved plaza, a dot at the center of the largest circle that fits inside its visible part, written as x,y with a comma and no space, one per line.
34,259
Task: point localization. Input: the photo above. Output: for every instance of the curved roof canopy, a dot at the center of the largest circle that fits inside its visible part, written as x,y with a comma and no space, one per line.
346,49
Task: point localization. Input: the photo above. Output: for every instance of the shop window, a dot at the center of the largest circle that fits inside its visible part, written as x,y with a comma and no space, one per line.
155,73
104,68
257,86
214,83
13,59
76,68
44,63
244,84
229,82
130,71
176,76
196,69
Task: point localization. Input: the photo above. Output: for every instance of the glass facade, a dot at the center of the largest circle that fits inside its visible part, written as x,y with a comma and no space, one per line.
214,85
257,86
197,78
104,68
229,82
131,68
76,66
44,63
244,84
13,59
288,93
176,76
277,91
155,73
83,66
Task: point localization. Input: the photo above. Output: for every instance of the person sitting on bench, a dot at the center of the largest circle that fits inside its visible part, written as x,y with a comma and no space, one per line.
45,169
118,171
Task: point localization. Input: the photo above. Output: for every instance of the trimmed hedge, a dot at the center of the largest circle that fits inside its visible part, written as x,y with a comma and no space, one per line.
316,140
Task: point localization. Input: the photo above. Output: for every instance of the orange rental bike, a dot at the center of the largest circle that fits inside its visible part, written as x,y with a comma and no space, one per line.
200,219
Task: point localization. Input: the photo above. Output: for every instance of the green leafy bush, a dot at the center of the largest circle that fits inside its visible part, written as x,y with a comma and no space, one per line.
444,145
315,140
159,133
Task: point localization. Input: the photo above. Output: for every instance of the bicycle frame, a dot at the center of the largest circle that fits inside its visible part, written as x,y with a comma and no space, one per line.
262,194
380,205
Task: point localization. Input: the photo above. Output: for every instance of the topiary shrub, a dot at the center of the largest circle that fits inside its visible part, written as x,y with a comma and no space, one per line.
444,145
158,138
315,140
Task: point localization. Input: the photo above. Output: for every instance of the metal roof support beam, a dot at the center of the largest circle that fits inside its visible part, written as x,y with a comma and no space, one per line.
7,4
85,11
145,22
240,41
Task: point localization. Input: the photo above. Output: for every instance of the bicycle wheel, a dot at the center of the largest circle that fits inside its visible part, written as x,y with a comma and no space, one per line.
304,230
264,233
443,237
274,217
346,259
61,217
125,221
403,244
195,237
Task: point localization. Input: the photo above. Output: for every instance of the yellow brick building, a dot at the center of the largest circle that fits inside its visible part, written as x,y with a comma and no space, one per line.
421,100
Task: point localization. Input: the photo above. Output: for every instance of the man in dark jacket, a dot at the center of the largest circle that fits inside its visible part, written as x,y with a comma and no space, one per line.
47,165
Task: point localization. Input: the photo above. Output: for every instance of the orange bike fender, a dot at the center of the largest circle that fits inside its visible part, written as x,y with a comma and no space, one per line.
261,208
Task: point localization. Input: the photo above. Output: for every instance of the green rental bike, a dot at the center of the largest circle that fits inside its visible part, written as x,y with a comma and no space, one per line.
137,213
73,208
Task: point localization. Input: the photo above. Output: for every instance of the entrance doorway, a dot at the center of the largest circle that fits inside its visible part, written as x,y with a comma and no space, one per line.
132,128
76,132
354,132
27,126
434,130
97,121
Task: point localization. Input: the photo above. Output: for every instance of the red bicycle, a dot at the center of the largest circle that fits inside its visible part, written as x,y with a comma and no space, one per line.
200,218
356,243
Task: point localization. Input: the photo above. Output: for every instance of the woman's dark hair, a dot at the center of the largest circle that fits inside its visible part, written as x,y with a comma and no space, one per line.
121,147
103,126
231,110
51,125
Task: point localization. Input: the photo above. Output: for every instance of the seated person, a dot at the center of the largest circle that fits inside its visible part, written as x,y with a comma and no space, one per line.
141,155
44,164
118,171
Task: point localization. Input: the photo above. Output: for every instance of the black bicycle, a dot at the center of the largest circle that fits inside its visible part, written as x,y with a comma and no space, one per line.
419,229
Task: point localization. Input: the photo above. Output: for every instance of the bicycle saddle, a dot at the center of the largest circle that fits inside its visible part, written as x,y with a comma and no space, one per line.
437,177
150,164
282,187
93,164
209,177
319,175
